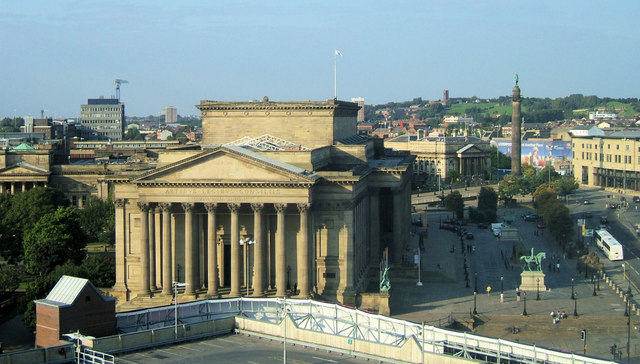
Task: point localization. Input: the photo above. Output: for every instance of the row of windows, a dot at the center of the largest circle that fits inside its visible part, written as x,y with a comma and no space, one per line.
103,121
595,146
616,157
98,115
101,109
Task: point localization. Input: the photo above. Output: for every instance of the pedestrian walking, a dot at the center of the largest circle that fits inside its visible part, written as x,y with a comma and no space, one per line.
558,267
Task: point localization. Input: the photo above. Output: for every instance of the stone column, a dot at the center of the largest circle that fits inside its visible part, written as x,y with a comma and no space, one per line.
144,248
374,224
398,246
212,251
260,250
235,250
303,251
2,189
120,227
158,245
281,253
167,279
189,250
152,248
13,188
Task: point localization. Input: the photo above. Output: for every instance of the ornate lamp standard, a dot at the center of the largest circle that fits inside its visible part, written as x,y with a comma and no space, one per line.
593,280
575,306
629,296
538,289
524,311
573,297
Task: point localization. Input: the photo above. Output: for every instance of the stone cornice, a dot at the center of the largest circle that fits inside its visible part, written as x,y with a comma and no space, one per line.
224,184
208,105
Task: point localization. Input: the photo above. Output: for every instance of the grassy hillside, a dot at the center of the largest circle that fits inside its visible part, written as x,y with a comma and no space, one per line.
489,108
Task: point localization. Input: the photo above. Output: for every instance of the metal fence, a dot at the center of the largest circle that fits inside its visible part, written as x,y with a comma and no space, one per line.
349,323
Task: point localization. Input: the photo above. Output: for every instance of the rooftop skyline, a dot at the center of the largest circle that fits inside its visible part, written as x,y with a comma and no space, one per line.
59,54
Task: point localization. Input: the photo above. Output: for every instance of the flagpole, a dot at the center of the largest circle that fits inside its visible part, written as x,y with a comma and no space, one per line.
335,75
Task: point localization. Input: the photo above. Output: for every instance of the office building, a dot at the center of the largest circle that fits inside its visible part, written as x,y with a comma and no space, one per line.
104,117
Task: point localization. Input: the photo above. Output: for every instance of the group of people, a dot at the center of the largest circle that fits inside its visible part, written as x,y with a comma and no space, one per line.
557,315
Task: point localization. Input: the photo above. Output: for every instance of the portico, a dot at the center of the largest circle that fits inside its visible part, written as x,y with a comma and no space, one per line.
309,212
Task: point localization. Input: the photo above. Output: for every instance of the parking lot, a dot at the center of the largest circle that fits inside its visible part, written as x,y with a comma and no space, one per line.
235,349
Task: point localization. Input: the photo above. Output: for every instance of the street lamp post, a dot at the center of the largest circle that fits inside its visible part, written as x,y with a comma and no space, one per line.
501,288
598,281
475,311
573,297
419,259
575,306
475,284
247,244
629,296
524,311
594,285
176,285
538,289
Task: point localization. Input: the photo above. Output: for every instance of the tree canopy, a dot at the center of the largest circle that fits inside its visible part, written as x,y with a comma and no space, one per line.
20,213
454,203
56,238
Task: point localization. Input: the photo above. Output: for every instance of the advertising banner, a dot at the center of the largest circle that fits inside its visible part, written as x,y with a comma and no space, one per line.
540,153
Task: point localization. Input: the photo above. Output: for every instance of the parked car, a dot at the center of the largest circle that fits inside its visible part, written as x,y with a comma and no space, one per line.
532,217
636,199
469,236
613,206
541,225
586,202
483,225
604,220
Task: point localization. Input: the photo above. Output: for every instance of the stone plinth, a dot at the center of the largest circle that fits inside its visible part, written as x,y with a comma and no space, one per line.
528,281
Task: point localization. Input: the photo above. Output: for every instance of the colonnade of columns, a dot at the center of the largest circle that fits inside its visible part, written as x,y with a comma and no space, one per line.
149,242
15,187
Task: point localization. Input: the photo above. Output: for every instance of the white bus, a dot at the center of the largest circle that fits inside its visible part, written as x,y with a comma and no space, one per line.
609,245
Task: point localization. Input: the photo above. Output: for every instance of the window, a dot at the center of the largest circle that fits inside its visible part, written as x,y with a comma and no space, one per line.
617,147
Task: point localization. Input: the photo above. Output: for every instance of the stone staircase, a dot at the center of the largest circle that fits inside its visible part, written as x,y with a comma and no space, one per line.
540,329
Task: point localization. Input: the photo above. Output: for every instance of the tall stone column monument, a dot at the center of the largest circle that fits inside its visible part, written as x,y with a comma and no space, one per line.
516,134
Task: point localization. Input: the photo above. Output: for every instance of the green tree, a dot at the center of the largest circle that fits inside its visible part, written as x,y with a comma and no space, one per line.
10,278
99,269
54,239
488,204
133,134
509,187
543,197
20,213
454,203
530,180
98,220
565,186
558,219
453,175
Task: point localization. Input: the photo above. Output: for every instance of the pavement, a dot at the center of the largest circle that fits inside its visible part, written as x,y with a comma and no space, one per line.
444,294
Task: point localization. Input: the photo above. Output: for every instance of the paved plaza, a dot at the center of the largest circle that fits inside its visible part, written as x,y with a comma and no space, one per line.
444,293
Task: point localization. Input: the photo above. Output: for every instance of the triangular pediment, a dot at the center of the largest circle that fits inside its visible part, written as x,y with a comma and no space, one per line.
22,169
227,165
469,149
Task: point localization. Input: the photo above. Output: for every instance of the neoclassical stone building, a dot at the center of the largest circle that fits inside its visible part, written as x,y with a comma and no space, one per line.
281,196
436,156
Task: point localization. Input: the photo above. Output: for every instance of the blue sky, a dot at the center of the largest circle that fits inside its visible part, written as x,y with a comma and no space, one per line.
57,54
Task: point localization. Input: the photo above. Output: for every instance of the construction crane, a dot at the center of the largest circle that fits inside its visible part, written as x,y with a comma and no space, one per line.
118,82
